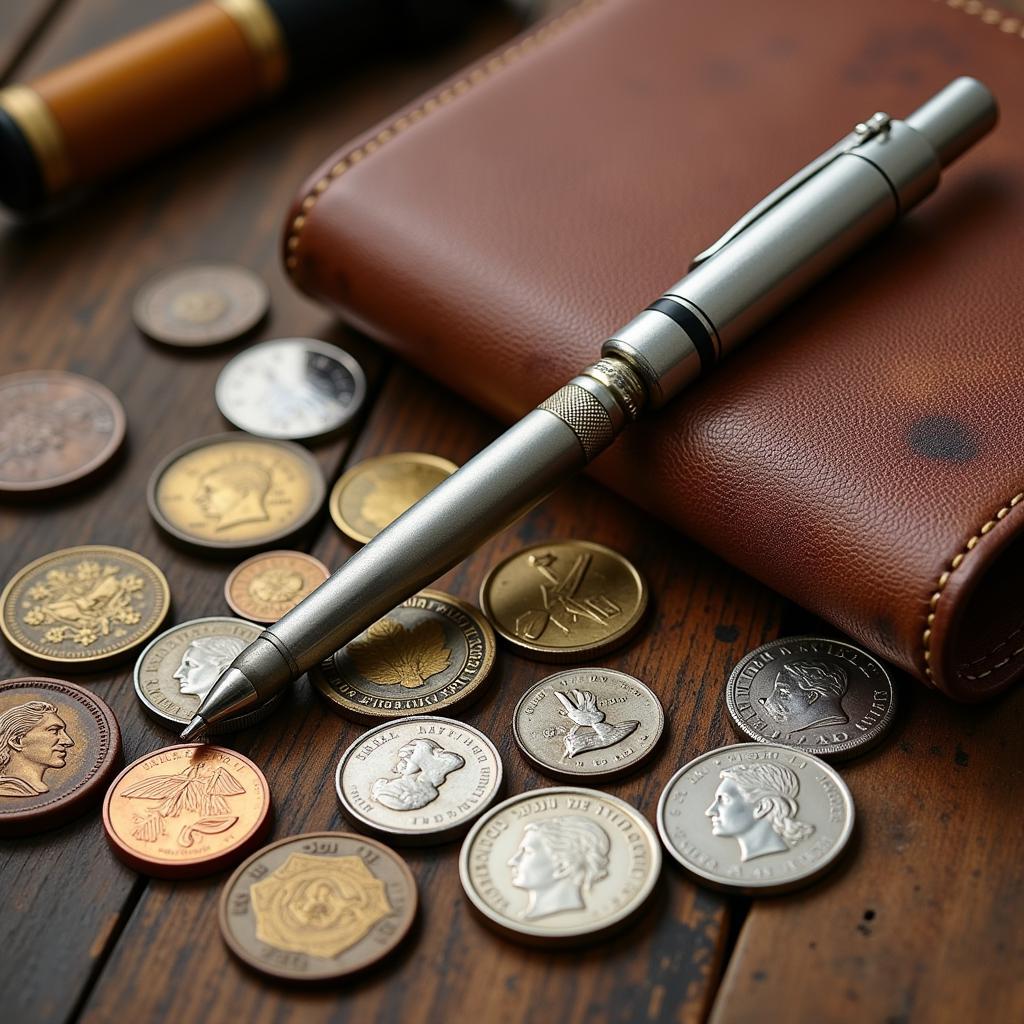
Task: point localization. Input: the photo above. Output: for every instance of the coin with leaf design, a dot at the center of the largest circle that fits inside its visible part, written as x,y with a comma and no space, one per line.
431,653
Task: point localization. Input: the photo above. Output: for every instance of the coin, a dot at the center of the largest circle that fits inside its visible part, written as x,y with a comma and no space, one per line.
178,669
431,653
83,607
59,747
592,723
317,906
187,810
266,586
291,389
564,601
418,780
231,492
824,696
203,304
756,817
561,865
374,493
55,429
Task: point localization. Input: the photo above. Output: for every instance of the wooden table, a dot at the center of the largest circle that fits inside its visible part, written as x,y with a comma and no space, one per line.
922,922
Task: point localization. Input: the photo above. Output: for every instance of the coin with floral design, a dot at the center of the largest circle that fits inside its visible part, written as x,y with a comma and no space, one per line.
267,585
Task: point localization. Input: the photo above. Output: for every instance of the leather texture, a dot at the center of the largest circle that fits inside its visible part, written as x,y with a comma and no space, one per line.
863,454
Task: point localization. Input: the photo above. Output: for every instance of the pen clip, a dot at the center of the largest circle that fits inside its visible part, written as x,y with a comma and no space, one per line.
875,125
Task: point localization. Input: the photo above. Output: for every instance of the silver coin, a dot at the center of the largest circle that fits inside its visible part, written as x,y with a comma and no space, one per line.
560,866
418,780
827,697
591,723
176,670
291,389
759,818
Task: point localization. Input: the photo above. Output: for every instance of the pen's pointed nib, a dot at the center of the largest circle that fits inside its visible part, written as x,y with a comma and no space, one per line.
194,728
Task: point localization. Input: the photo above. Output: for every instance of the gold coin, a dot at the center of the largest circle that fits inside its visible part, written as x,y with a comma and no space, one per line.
233,491
374,493
83,607
564,601
266,586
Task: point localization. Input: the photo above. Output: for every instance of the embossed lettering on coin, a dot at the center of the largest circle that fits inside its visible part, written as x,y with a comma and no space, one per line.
267,585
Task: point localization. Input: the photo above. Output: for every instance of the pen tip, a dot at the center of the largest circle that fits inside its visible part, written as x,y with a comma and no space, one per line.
194,728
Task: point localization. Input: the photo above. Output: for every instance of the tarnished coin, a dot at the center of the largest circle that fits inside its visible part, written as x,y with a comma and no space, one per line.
825,696
202,304
178,669
56,429
430,654
84,607
230,492
564,601
374,493
588,723
756,817
291,389
266,586
562,865
59,748
187,810
418,780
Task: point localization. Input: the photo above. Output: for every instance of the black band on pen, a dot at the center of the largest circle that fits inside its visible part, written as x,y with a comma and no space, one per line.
694,327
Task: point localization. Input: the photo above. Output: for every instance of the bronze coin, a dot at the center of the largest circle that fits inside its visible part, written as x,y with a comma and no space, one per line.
56,429
317,906
59,747
266,586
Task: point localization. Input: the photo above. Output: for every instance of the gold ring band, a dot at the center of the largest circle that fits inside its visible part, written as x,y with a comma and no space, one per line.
263,35
43,132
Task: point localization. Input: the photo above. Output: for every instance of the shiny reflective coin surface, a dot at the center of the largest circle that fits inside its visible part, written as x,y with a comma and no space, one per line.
266,586
824,696
83,607
291,389
756,817
588,723
230,492
564,601
374,493
418,780
430,654
187,810
59,748
561,865
56,429
202,304
317,906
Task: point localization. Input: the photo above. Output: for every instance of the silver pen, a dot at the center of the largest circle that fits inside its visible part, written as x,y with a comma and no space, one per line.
792,238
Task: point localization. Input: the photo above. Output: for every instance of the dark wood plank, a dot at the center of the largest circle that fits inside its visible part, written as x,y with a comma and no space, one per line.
20,23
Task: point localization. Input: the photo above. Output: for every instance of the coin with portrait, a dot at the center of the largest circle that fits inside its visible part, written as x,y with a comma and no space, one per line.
59,748
317,906
230,492
418,780
267,585
758,818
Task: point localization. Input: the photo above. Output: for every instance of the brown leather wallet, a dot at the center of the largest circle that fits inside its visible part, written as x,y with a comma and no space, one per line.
864,453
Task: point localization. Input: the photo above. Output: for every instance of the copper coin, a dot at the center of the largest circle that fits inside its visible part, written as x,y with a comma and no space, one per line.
204,304
55,429
317,906
266,586
59,747
187,810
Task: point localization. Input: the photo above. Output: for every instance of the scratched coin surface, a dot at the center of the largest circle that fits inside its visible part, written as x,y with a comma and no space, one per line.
824,696
230,492
187,810
59,748
588,723
83,607
267,585
561,865
418,780
56,429
564,601
201,304
756,817
430,654
374,493
317,906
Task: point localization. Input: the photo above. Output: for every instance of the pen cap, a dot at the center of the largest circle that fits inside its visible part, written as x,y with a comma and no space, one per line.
956,117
